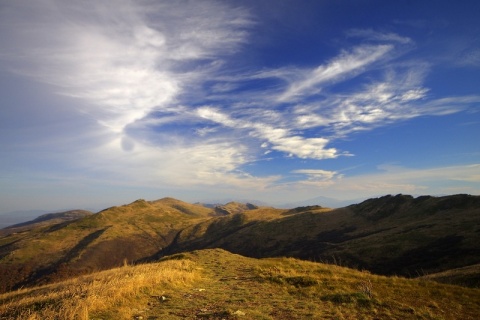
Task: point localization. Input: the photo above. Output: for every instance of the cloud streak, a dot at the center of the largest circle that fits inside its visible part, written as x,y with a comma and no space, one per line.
121,61
167,106
347,64
387,180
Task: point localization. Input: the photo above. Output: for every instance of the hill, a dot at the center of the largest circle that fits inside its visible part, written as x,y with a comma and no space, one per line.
45,220
47,253
391,235
15,217
216,284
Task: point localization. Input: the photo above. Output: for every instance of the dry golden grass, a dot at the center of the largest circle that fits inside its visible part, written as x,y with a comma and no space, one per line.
215,284
112,294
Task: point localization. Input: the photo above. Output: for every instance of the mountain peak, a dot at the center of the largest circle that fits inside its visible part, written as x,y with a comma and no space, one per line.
234,207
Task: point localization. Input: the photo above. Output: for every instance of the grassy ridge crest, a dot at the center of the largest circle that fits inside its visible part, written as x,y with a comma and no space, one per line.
216,284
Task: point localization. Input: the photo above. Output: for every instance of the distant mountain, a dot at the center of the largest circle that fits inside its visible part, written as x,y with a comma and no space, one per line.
14,217
320,200
211,203
399,235
234,207
46,220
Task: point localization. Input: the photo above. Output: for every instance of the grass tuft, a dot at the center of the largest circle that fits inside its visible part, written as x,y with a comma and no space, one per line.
112,294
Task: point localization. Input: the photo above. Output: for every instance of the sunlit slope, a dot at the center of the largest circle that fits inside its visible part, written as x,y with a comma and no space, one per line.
96,242
215,284
46,220
390,235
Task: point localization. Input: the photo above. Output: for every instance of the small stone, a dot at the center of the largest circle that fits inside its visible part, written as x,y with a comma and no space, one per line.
239,313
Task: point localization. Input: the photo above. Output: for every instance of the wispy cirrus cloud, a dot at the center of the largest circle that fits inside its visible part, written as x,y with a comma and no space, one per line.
276,138
398,97
154,78
387,180
374,35
318,174
119,58
347,64
396,93
122,63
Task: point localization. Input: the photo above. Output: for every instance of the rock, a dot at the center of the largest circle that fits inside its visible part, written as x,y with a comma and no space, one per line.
239,313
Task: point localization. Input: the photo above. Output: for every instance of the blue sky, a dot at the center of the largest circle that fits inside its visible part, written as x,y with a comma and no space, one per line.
104,102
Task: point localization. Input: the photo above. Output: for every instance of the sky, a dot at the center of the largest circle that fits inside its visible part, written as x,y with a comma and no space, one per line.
105,102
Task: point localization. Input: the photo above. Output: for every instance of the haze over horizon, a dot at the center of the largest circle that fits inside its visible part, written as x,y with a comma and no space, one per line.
105,102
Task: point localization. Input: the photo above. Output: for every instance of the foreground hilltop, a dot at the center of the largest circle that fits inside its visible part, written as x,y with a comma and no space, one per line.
216,284
391,235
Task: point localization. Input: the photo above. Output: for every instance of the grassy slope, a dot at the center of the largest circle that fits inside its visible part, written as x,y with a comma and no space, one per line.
390,235
45,220
96,242
215,284
467,276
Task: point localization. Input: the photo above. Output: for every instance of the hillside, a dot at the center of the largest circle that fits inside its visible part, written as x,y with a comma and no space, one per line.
391,235
215,284
100,241
15,217
46,220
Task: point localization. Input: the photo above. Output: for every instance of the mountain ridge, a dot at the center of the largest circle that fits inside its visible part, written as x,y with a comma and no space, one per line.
386,235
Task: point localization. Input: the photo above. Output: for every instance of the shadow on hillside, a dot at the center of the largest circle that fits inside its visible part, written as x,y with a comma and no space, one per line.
55,271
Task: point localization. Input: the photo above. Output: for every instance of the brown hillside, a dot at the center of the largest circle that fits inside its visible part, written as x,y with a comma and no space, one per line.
398,235
96,242
215,284
60,219
389,235
234,207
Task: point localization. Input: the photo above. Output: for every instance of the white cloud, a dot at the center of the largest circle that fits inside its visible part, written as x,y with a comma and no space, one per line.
124,61
413,94
374,35
470,58
120,58
318,174
345,65
304,148
400,96
209,163
387,180
280,139
169,110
